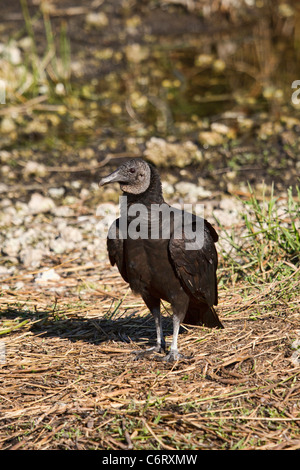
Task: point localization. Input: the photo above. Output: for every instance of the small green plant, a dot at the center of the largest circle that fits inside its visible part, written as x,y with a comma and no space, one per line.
269,246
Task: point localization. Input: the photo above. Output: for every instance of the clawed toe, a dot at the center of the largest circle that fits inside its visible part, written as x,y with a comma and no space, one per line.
173,356
147,352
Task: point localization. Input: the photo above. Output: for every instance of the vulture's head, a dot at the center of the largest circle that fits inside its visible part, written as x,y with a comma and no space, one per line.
134,176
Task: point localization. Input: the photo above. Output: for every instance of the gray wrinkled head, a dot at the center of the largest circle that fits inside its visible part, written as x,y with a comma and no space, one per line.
134,176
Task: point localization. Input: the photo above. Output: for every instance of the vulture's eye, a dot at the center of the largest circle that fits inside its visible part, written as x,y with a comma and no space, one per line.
132,170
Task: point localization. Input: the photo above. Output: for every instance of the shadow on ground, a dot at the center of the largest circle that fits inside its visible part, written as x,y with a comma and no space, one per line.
133,328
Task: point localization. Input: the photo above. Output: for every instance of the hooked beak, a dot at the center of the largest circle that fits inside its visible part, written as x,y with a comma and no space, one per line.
112,178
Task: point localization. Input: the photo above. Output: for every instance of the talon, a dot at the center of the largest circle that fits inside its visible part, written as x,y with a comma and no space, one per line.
173,356
146,352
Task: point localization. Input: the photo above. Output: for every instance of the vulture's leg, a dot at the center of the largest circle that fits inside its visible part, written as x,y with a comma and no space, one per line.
160,340
179,312
154,307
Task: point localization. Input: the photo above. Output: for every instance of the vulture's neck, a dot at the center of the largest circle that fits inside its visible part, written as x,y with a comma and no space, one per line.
152,195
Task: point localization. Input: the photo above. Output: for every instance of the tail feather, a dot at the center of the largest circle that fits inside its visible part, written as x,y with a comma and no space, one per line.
203,315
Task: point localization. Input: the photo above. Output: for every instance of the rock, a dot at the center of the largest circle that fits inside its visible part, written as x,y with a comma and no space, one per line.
107,213
64,211
6,219
4,271
7,125
136,53
70,200
34,168
76,184
31,257
13,54
46,276
9,214
7,172
84,194
222,129
11,247
167,188
71,234
296,344
39,204
96,20
230,204
30,236
191,191
59,245
56,192
19,285
60,89
210,138
165,154
26,43
295,358
22,209
229,211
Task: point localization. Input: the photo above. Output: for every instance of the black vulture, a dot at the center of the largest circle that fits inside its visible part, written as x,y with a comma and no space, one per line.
163,253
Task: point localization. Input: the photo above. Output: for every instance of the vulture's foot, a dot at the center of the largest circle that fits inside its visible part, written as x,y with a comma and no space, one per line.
173,356
147,352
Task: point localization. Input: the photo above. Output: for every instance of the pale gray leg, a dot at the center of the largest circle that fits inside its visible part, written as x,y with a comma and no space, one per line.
160,340
174,355
179,311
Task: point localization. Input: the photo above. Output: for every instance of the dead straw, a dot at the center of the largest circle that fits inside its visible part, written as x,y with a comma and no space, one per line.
70,380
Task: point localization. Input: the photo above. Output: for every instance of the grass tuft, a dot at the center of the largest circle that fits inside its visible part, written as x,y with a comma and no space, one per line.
267,246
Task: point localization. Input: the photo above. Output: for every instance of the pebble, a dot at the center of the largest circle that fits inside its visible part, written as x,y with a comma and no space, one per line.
163,153
56,193
7,125
71,234
136,53
31,257
191,191
46,276
39,204
295,358
19,285
210,138
5,272
27,238
59,245
11,247
35,168
97,20
168,189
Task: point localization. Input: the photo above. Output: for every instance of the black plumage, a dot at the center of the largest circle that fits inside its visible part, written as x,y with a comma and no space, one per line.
161,266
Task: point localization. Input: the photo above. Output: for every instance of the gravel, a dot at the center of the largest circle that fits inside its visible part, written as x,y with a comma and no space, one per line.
47,230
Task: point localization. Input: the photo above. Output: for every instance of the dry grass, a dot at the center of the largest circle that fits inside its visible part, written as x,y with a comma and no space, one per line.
70,380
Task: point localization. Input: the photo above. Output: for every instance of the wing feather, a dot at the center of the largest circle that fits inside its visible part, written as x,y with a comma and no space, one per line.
115,248
197,267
